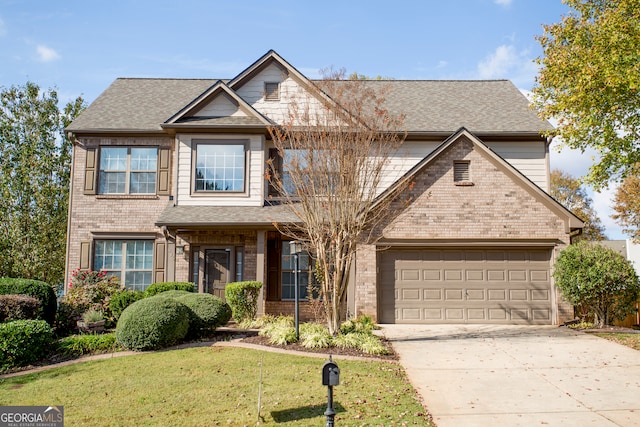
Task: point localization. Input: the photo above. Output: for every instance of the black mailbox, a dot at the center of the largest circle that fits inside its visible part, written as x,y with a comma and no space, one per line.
330,373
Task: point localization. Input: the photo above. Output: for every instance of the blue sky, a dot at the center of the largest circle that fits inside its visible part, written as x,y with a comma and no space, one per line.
80,47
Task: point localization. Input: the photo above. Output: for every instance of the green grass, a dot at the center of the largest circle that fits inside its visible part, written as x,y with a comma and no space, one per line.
630,340
218,386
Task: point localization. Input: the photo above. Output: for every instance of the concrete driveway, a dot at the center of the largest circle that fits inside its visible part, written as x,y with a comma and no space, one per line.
485,375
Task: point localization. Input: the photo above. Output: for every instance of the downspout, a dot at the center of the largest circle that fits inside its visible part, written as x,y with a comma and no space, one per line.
547,161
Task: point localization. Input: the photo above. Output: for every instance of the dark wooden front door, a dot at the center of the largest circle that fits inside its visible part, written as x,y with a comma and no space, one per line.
216,271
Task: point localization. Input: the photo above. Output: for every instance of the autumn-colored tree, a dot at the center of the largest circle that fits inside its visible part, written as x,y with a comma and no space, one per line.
35,165
570,193
626,204
589,81
334,151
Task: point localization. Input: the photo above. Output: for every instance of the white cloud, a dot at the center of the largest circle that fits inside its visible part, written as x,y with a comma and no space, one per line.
506,62
3,28
46,54
499,62
503,2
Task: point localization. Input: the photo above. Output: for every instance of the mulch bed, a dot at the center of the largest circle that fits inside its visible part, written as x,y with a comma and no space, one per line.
264,341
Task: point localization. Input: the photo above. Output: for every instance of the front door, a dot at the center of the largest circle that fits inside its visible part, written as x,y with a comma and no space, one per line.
216,271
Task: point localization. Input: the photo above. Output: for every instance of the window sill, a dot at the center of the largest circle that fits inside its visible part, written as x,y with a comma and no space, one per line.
464,184
128,196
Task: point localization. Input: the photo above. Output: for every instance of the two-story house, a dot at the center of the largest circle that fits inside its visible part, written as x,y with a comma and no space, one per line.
168,184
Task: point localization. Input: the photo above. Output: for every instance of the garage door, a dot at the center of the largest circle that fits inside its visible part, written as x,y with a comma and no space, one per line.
506,285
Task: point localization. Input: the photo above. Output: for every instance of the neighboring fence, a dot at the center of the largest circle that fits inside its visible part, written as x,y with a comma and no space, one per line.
632,319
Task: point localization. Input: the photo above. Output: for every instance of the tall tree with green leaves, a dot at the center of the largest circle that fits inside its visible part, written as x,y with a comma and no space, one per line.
626,204
35,165
589,82
571,194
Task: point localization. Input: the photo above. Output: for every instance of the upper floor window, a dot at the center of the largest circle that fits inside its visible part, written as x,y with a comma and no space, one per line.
220,167
128,170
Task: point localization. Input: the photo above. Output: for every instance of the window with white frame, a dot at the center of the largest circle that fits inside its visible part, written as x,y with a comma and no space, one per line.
128,170
129,260
220,166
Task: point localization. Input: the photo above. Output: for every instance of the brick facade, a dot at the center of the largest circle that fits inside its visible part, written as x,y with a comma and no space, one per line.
114,214
495,206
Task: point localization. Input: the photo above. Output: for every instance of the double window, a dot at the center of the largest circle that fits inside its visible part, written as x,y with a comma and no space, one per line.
129,260
219,166
128,170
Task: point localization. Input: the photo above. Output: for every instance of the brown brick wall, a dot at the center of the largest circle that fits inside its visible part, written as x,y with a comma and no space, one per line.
495,207
113,214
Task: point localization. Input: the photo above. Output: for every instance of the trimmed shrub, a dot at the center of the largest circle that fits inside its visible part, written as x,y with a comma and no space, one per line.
80,345
122,300
242,297
152,323
160,287
174,293
18,307
35,288
23,342
208,312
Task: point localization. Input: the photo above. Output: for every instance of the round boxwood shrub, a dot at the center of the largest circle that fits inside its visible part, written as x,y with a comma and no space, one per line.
174,293
208,312
35,288
160,287
23,342
152,323
122,300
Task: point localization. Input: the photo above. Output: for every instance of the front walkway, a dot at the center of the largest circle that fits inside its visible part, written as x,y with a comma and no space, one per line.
483,375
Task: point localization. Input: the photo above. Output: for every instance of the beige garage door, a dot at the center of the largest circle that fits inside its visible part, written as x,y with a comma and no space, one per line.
505,285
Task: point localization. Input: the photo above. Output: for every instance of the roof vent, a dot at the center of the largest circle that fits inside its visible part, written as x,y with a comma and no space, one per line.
271,91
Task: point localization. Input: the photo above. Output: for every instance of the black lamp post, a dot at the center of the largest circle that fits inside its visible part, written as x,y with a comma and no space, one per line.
295,248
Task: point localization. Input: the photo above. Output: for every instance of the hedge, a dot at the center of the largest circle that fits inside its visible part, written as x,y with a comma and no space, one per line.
159,287
35,288
242,297
152,323
23,342
122,300
18,307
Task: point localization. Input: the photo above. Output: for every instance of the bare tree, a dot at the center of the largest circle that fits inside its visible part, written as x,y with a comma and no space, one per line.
333,161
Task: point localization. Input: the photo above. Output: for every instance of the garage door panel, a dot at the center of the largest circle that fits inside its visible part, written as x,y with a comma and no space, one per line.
465,286
475,295
433,314
431,274
454,314
432,294
453,294
518,294
411,294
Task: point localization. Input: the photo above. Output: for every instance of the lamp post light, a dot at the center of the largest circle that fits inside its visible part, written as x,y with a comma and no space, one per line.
295,248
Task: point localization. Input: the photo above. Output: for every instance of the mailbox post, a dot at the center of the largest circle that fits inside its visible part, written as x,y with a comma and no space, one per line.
330,378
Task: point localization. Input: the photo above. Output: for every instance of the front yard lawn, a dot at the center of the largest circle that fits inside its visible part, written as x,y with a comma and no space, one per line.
219,386
630,340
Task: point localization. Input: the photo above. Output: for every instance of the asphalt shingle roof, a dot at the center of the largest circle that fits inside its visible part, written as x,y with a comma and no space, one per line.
225,215
140,105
